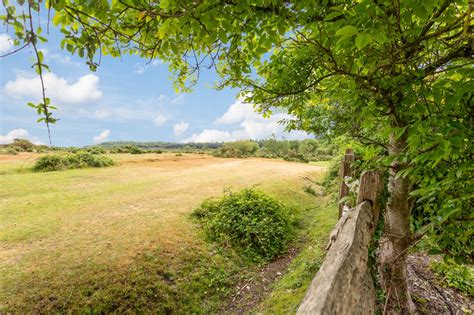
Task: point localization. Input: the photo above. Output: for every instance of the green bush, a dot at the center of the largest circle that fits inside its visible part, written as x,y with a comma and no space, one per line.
12,151
135,150
237,149
49,163
455,275
57,162
255,225
22,145
331,179
96,150
294,156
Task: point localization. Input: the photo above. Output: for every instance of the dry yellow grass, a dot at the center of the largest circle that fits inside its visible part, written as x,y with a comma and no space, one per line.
55,227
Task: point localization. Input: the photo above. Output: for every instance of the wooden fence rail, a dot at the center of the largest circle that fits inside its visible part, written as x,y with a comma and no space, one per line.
343,284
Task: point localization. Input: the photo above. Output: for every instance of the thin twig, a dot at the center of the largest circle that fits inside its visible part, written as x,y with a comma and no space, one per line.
40,73
16,50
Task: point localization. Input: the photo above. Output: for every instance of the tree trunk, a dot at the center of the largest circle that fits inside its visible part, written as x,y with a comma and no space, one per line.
396,238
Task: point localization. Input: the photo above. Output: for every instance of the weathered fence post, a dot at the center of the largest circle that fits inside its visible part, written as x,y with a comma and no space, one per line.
370,187
343,284
345,171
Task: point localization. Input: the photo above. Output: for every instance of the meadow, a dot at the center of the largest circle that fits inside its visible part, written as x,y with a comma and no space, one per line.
121,238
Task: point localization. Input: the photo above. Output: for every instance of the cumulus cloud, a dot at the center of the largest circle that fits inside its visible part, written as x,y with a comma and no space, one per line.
248,124
210,135
61,91
18,134
159,120
103,136
6,43
180,128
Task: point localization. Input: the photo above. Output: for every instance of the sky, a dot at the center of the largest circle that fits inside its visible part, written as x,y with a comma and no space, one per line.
124,100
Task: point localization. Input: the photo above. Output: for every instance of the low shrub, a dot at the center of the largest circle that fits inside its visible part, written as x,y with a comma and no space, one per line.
136,150
237,149
295,157
57,162
454,275
22,145
12,151
331,179
96,150
255,225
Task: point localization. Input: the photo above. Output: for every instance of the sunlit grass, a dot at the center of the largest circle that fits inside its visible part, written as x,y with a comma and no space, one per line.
120,238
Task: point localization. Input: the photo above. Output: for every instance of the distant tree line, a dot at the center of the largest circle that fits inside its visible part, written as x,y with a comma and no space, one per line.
290,150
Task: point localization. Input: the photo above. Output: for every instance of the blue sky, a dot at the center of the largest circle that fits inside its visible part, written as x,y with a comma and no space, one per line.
123,100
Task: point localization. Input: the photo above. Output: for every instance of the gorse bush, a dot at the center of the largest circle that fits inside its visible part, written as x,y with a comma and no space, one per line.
255,225
68,161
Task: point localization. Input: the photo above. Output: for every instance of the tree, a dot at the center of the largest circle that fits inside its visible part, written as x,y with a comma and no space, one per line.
387,73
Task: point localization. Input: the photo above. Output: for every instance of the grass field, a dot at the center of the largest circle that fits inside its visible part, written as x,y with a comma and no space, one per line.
121,238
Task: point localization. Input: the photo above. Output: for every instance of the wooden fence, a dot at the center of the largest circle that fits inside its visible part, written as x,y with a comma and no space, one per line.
343,284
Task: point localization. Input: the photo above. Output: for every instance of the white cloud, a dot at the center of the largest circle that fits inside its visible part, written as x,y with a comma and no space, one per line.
238,112
210,135
18,134
125,109
180,128
6,43
103,136
248,125
57,88
160,120
140,68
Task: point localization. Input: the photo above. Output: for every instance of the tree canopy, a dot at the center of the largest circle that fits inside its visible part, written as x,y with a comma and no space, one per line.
394,75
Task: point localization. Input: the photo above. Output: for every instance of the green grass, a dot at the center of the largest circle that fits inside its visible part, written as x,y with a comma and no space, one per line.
121,238
289,291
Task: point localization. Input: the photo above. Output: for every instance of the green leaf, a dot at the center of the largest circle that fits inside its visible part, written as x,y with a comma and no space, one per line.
332,15
399,132
40,56
363,40
347,31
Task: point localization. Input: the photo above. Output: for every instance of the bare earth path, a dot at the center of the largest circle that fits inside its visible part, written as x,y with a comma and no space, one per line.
55,226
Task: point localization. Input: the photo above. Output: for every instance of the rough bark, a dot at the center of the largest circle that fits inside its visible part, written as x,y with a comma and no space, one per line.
395,239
